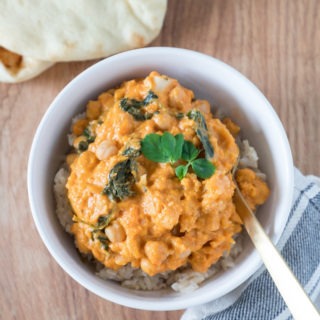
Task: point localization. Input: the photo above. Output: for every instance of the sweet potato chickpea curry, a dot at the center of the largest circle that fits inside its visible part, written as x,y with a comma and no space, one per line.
150,178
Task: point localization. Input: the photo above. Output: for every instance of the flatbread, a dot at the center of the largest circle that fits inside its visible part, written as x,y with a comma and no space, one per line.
69,30
16,68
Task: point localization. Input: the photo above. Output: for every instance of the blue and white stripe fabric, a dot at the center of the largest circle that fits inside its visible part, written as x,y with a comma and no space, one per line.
258,298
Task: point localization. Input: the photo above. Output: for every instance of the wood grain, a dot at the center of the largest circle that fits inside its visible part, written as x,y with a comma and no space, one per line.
275,43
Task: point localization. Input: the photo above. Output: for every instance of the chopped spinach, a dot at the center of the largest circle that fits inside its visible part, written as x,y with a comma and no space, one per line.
83,146
102,222
202,132
121,180
101,237
89,138
131,152
180,115
104,242
150,96
135,107
132,148
87,133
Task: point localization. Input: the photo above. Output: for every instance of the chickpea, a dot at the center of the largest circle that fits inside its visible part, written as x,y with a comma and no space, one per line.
164,121
115,232
156,251
79,126
180,98
93,110
106,99
202,105
71,158
106,149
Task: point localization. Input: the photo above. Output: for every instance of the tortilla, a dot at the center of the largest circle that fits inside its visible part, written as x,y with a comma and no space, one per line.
78,29
16,68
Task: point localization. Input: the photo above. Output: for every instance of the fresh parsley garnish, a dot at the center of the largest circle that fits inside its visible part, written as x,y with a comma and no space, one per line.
202,167
169,148
162,148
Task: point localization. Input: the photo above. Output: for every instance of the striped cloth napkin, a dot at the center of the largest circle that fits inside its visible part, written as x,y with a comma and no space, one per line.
258,298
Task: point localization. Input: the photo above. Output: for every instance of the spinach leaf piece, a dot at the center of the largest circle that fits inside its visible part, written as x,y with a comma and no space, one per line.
180,115
149,97
83,146
87,133
89,138
132,148
121,180
135,107
104,242
202,132
103,221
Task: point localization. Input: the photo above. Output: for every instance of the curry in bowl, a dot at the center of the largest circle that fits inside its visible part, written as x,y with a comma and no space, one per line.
147,190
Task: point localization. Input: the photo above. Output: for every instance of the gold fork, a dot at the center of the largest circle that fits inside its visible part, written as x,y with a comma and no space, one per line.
290,289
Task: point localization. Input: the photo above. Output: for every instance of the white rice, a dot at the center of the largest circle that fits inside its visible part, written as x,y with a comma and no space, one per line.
63,210
183,279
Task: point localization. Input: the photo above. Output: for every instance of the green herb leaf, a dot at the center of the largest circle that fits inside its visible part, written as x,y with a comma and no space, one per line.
121,181
203,168
172,146
181,171
168,148
202,132
189,151
168,144
176,154
152,149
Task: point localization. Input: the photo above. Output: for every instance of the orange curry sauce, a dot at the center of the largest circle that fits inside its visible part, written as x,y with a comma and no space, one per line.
166,223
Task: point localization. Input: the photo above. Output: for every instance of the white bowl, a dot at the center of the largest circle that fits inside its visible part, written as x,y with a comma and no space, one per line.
211,79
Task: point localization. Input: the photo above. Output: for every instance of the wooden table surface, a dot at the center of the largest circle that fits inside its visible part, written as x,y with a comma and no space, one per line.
275,43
